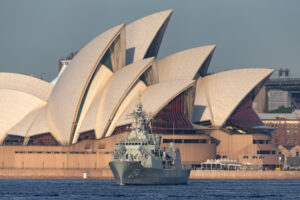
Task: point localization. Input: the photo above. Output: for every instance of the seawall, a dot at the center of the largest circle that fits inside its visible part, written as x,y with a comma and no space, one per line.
105,173
218,174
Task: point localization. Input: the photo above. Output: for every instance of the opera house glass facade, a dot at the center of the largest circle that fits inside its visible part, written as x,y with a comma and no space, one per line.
74,121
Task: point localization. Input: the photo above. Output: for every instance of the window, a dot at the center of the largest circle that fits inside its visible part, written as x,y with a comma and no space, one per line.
254,157
297,154
260,141
177,141
188,141
264,152
224,157
13,140
245,157
203,141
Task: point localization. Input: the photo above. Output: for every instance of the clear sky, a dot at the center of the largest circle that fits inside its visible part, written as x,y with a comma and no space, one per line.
35,34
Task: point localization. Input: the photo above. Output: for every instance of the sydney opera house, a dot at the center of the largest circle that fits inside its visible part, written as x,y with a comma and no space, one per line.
74,121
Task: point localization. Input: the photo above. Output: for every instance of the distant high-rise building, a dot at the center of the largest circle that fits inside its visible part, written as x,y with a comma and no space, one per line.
277,98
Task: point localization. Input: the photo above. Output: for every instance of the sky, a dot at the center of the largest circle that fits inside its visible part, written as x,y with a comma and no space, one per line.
35,34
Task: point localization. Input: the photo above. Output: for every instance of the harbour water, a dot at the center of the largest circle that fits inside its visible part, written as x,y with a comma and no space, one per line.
20,189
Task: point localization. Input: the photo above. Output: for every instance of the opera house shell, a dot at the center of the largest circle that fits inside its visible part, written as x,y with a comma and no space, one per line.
92,95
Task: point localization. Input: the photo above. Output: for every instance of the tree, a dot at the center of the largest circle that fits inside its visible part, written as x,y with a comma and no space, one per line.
281,109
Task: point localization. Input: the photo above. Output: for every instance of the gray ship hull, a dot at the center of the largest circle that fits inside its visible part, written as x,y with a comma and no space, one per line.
133,173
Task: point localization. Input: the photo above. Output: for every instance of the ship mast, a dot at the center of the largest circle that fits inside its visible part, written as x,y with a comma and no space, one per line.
141,118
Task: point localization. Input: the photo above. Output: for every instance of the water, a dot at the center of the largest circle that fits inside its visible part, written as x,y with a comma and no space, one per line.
107,189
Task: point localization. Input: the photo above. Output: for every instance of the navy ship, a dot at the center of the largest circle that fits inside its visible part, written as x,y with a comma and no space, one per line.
139,159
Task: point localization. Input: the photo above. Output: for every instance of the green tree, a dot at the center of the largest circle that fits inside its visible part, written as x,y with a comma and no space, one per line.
281,109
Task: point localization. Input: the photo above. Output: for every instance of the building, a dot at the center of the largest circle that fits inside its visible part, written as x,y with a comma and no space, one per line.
286,136
278,92
74,121
287,127
290,157
289,88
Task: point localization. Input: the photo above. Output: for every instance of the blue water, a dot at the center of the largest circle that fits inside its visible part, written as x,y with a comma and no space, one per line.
107,189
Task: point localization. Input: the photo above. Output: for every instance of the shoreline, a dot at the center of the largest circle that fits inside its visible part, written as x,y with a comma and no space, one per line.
105,173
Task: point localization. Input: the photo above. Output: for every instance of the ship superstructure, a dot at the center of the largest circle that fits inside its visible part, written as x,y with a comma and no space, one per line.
139,159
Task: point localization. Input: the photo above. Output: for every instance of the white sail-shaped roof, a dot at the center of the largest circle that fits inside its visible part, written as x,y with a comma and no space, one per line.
100,80
156,97
27,84
90,120
219,94
66,100
115,92
23,126
40,125
109,99
138,89
14,106
184,64
141,33
19,95
34,123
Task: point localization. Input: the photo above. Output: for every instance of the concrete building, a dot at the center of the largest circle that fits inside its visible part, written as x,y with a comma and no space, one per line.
278,98
289,87
278,92
74,122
